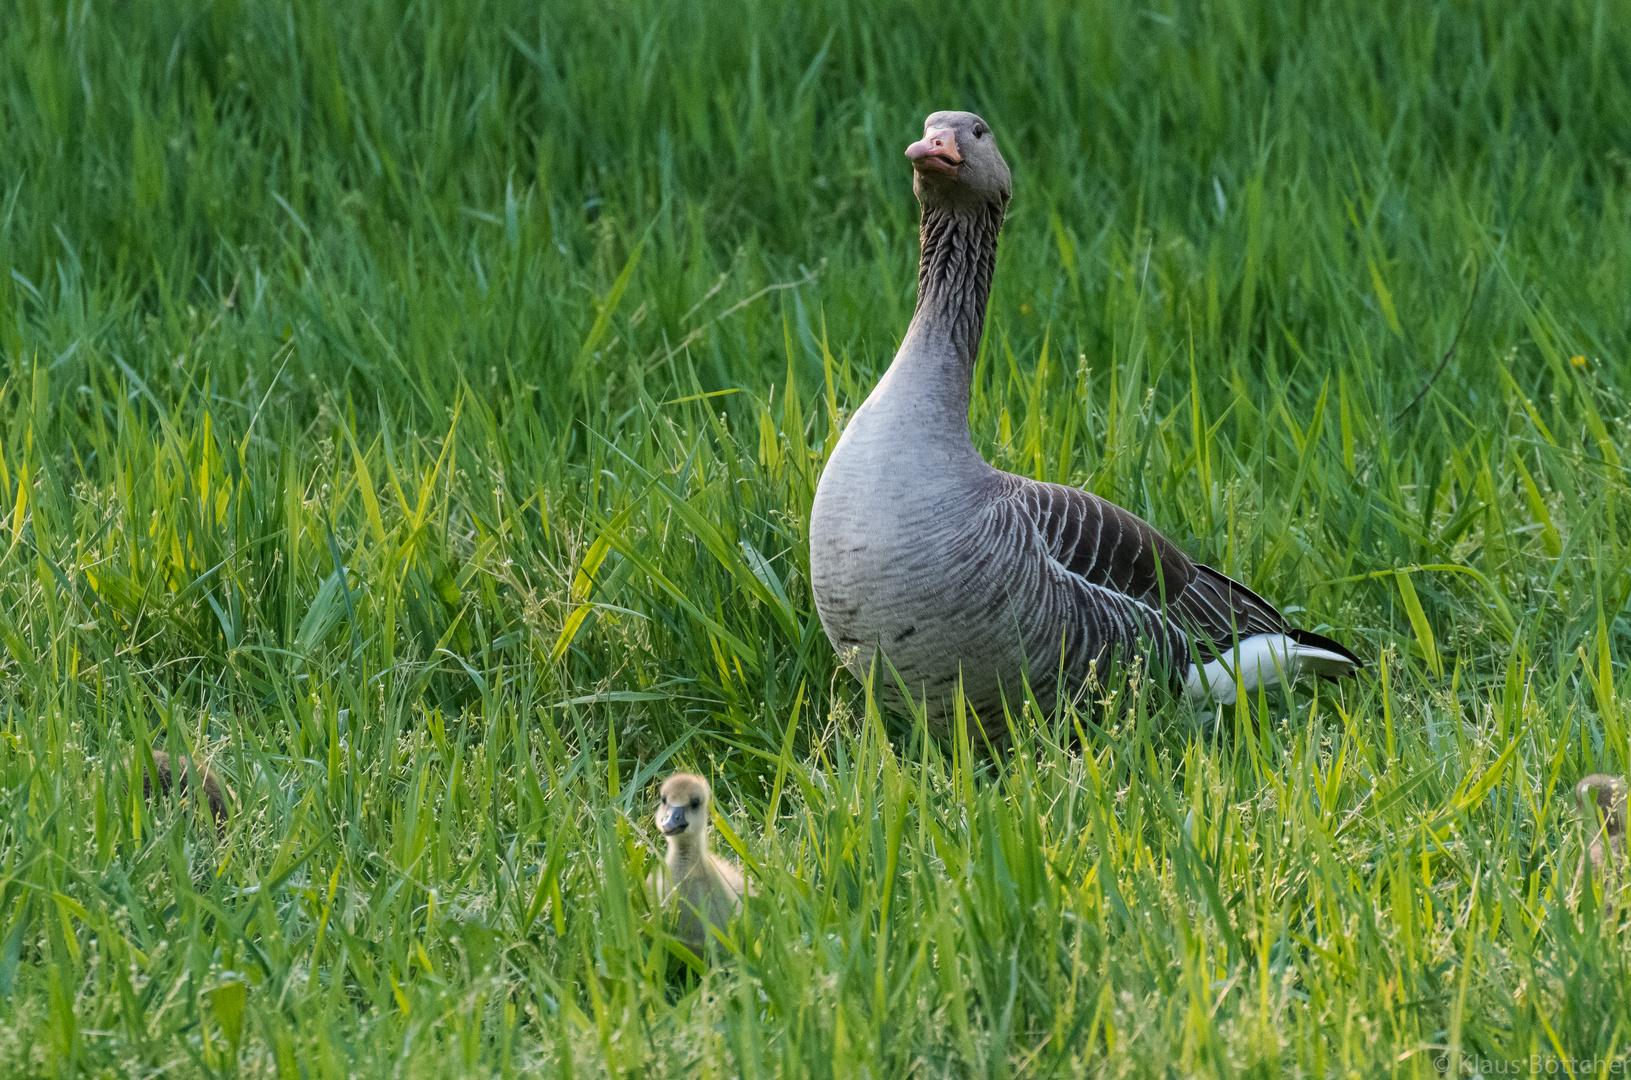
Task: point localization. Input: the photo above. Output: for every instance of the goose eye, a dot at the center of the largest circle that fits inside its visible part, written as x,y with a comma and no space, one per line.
695,803
979,131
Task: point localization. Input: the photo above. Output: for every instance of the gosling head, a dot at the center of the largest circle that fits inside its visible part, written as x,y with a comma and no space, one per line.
1610,792
682,809
957,165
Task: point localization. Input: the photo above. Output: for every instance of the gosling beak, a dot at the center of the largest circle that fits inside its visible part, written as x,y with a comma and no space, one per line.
671,820
936,151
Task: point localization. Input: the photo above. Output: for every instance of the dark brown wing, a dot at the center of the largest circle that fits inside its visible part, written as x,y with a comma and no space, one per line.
1217,609
1105,545
1110,547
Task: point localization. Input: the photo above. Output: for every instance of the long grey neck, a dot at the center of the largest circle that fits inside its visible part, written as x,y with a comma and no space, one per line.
954,273
935,364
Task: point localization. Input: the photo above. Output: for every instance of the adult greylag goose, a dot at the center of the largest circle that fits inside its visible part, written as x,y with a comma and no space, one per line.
706,889
952,568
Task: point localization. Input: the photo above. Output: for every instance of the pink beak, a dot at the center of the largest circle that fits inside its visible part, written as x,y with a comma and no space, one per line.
937,150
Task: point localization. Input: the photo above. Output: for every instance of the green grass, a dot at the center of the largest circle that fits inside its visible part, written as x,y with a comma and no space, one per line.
414,411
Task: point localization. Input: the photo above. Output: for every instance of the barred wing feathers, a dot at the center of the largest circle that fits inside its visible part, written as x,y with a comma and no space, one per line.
1113,549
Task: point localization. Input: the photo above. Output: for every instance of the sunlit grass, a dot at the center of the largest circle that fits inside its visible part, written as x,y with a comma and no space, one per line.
414,412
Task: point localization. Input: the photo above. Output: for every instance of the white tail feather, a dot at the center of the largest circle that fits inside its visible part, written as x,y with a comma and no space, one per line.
1260,660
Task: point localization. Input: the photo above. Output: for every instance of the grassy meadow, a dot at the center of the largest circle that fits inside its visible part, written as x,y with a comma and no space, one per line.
413,411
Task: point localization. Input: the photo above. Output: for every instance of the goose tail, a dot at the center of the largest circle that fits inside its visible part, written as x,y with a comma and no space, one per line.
1265,659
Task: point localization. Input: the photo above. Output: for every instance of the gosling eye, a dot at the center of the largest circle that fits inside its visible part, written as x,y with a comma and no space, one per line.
695,803
979,131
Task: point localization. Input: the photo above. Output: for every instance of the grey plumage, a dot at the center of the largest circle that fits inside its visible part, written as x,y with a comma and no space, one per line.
953,570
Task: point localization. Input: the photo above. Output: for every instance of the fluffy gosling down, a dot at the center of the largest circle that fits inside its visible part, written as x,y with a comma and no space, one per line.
1604,823
704,888
178,778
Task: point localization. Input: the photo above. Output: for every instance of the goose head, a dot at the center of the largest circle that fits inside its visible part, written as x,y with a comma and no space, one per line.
682,808
956,165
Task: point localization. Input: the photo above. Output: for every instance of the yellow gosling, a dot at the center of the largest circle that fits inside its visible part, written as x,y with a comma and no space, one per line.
1605,825
704,888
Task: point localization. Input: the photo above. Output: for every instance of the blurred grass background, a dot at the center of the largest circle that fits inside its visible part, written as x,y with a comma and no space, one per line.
413,411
